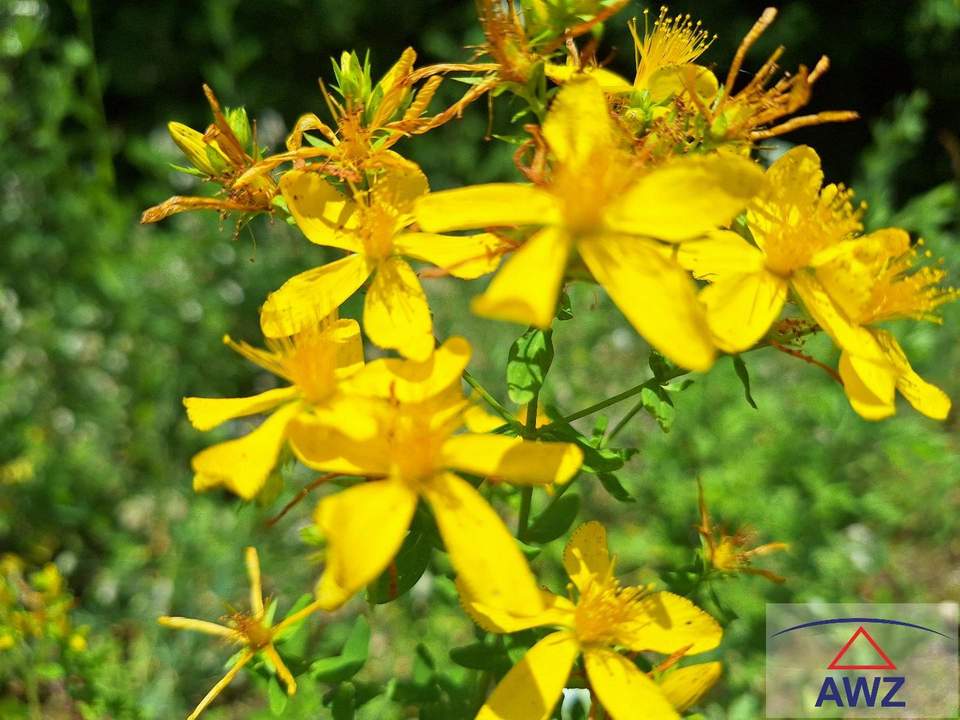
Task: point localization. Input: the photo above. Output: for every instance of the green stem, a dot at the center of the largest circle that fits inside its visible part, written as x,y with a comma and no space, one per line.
624,420
488,398
526,493
625,395
94,91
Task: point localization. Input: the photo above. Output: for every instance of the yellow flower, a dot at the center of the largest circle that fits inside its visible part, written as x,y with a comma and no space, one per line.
313,361
726,553
253,631
418,407
374,228
792,220
869,280
605,618
597,205
665,55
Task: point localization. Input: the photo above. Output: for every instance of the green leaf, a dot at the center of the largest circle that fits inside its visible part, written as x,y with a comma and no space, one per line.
276,696
348,663
344,702
294,638
527,364
411,562
612,485
555,520
741,367
659,405
479,656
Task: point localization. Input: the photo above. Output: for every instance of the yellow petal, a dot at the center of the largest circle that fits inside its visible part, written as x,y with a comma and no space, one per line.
669,623
526,288
586,558
207,413
512,459
463,256
533,686
558,611
607,80
742,307
925,397
307,298
822,308
400,184
722,253
478,420
685,686
322,447
794,178
395,312
346,334
655,295
364,527
675,80
578,127
243,465
322,212
870,386
481,206
687,198
482,551
624,691
409,381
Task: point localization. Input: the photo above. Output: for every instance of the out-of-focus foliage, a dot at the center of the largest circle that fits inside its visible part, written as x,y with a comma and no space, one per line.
105,324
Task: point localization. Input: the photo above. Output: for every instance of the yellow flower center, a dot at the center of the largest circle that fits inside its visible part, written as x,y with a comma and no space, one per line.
415,446
791,231
307,359
255,634
604,610
378,225
586,192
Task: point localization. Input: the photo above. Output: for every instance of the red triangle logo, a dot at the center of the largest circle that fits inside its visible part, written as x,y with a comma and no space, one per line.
888,663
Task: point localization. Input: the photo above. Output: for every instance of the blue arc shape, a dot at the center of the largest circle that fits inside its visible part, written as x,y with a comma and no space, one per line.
861,620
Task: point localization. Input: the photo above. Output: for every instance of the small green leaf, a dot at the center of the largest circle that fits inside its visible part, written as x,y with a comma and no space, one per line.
612,485
344,702
659,405
741,367
527,364
348,663
276,696
564,308
555,520
411,562
478,656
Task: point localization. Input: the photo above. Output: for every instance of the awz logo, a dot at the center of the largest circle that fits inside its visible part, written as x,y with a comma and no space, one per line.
861,688
860,660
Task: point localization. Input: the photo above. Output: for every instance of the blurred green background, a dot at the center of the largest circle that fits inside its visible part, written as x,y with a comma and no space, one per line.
105,325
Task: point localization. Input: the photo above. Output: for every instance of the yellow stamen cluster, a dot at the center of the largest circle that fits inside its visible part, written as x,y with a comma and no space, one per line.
900,293
673,40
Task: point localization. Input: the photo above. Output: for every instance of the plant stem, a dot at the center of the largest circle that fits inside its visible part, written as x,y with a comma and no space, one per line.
490,399
526,493
624,420
626,394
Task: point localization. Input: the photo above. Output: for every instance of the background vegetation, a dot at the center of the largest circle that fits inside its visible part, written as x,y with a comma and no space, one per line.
105,325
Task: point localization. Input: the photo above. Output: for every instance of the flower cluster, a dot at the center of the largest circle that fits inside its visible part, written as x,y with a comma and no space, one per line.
649,188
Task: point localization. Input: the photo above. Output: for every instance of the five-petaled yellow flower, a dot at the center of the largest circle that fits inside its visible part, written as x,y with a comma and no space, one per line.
252,630
807,241
374,227
313,361
605,618
598,205
413,455
869,280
